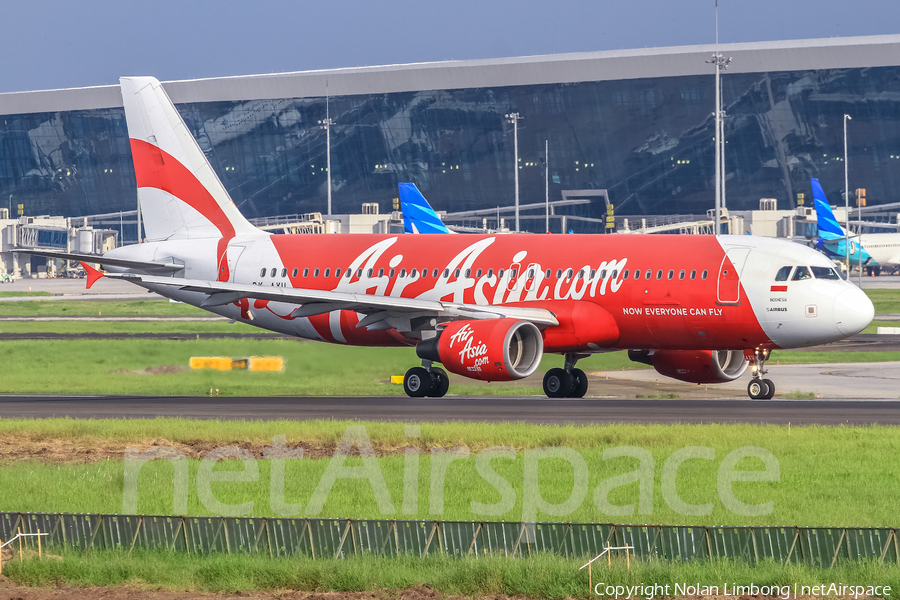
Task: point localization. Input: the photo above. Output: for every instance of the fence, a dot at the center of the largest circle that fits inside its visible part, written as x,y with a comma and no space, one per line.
333,538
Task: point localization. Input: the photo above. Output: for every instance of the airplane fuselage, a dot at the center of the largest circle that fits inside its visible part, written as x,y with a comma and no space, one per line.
684,292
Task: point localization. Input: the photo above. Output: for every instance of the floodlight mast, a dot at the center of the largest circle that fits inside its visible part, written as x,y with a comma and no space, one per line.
719,137
847,197
326,124
514,119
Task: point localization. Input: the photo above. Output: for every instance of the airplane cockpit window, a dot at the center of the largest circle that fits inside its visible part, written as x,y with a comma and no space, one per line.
783,273
824,273
801,273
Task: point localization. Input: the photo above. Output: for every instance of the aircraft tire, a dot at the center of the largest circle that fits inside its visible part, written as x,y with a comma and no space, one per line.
417,382
440,383
757,389
771,389
557,383
580,385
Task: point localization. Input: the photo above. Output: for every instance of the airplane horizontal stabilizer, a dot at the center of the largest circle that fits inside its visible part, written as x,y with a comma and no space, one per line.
149,267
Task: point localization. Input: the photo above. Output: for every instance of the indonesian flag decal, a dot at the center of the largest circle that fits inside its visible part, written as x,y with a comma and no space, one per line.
779,288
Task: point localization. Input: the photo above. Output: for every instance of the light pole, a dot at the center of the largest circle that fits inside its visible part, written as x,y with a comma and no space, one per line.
546,186
721,64
514,119
326,124
847,194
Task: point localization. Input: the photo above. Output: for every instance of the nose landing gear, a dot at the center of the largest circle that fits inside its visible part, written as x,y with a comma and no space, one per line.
568,382
759,388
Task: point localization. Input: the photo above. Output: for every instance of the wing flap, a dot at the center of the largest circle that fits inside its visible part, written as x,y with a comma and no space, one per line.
314,302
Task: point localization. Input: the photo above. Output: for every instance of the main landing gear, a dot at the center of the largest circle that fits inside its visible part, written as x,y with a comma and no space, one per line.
759,388
426,381
568,382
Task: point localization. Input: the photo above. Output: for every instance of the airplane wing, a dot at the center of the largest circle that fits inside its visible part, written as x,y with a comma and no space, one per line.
382,312
154,267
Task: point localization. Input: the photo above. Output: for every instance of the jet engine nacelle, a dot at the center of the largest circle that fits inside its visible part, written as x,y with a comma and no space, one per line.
489,349
694,366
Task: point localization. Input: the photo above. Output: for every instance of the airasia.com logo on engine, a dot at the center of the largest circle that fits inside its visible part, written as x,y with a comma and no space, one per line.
471,350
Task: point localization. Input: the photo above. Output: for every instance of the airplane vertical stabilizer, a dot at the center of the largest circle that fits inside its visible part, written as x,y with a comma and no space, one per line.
180,195
829,228
418,216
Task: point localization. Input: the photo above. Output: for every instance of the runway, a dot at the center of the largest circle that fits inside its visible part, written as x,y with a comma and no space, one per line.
521,409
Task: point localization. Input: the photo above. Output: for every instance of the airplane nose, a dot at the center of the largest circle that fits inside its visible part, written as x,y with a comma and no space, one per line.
853,311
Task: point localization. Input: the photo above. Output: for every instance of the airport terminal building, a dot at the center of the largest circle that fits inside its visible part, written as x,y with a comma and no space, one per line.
637,123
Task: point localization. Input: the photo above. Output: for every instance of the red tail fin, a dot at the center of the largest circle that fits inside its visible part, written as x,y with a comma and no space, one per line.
92,274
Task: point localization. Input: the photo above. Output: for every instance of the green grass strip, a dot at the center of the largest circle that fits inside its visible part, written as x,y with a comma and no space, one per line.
829,476
540,576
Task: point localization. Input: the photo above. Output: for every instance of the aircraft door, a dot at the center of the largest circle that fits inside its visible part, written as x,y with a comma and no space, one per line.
233,253
728,288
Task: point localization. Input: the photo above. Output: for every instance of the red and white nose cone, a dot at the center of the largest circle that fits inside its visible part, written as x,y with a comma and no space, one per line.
853,311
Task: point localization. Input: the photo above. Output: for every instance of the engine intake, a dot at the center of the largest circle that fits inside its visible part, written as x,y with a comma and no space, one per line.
694,366
489,349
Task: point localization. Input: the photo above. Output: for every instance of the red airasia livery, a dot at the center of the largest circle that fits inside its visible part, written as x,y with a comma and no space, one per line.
697,308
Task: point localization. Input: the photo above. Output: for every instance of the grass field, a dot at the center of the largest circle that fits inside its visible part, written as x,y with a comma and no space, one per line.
540,576
886,301
841,476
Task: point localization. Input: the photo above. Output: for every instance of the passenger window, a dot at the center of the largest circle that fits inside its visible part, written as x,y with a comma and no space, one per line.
703,274
603,274
381,272
478,273
693,274
284,272
456,273
490,272
500,274
316,273
593,273
434,274
625,274
783,273
306,272
801,273
337,273
681,274
581,274
671,273
274,271
359,273
263,272
637,273
468,273
370,272
659,274
648,275
559,273
402,272
327,272
446,273
294,272
615,273
548,273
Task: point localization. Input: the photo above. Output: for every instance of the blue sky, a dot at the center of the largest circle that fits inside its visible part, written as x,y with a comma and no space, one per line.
48,44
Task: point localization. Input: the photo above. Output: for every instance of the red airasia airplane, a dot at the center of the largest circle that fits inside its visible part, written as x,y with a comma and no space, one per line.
697,308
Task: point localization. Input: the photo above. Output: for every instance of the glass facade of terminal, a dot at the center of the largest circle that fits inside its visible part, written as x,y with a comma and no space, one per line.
649,142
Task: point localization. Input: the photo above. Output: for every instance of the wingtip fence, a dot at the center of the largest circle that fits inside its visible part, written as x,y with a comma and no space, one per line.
335,538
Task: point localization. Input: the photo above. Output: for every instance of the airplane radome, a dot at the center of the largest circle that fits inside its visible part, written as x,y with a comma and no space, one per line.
697,308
